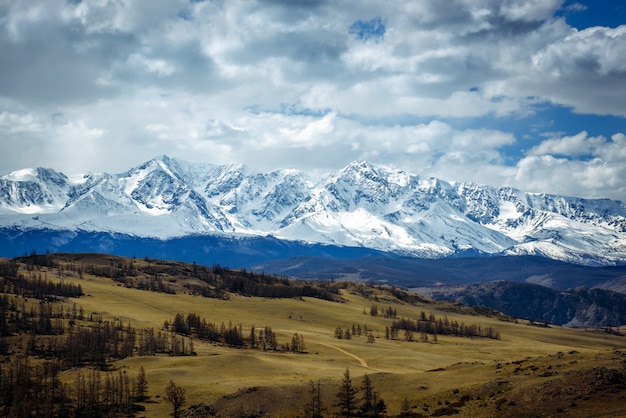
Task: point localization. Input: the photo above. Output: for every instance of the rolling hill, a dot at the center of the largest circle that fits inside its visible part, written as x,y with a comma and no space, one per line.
514,368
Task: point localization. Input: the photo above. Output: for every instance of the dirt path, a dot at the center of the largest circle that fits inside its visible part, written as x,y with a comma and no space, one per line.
361,361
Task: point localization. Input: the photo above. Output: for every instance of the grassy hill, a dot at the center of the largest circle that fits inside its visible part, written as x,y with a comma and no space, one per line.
528,371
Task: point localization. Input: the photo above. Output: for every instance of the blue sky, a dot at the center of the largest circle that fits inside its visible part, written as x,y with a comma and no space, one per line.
585,14
521,93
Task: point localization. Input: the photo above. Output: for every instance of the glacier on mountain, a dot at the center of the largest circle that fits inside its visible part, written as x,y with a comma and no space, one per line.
362,205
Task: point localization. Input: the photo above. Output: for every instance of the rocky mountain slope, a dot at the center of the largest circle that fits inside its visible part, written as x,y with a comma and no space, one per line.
363,205
573,307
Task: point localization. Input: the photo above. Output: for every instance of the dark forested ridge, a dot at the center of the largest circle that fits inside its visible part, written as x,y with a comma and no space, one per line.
575,307
160,275
240,252
418,272
306,261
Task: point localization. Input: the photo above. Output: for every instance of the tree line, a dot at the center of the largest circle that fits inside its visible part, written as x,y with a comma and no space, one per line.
34,389
40,318
13,281
67,334
232,335
436,326
96,342
355,331
216,281
388,312
425,325
249,283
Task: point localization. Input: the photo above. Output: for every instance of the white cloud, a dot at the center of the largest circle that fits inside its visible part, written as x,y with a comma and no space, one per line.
13,123
591,179
530,10
595,50
585,69
576,7
613,151
572,146
549,167
287,84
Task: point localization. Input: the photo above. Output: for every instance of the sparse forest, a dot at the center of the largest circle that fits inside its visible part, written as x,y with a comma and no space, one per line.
37,323
61,359
424,326
212,282
41,337
232,335
436,326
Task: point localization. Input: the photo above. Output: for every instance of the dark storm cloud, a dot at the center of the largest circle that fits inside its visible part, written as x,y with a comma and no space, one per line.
60,65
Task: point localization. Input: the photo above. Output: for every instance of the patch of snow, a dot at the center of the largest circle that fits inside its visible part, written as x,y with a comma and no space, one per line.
508,211
362,205
25,174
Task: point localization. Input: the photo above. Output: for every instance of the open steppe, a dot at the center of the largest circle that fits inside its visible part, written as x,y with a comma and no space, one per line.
529,371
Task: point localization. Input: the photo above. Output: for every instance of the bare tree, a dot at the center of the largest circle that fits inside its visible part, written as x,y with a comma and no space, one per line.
176,396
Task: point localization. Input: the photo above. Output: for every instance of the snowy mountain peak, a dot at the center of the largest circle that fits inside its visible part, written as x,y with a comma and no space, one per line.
43,175
361,167
363,205
33,191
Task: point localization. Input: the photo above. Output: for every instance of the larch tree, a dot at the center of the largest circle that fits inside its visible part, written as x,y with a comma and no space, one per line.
372,405
368,395
346,396
141,387
176,396
314,407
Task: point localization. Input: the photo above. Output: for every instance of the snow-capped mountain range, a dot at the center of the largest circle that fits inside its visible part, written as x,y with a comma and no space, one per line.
362,205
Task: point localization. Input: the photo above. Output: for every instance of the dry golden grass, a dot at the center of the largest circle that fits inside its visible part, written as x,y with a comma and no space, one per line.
426,373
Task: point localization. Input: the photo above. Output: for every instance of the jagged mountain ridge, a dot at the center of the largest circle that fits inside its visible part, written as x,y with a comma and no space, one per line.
362,205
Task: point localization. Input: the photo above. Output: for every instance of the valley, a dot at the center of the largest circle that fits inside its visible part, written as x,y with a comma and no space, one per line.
527,371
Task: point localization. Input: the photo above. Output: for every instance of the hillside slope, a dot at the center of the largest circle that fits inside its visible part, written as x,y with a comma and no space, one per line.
573,307
526,371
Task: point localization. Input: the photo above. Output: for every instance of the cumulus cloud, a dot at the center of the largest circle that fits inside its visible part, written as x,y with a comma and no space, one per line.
573,146
103,85
585,70
552,167
546,173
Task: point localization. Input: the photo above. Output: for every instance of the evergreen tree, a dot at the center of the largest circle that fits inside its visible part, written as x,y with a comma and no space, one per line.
379,406
141,387
368,395
372,405
314,408
346,396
